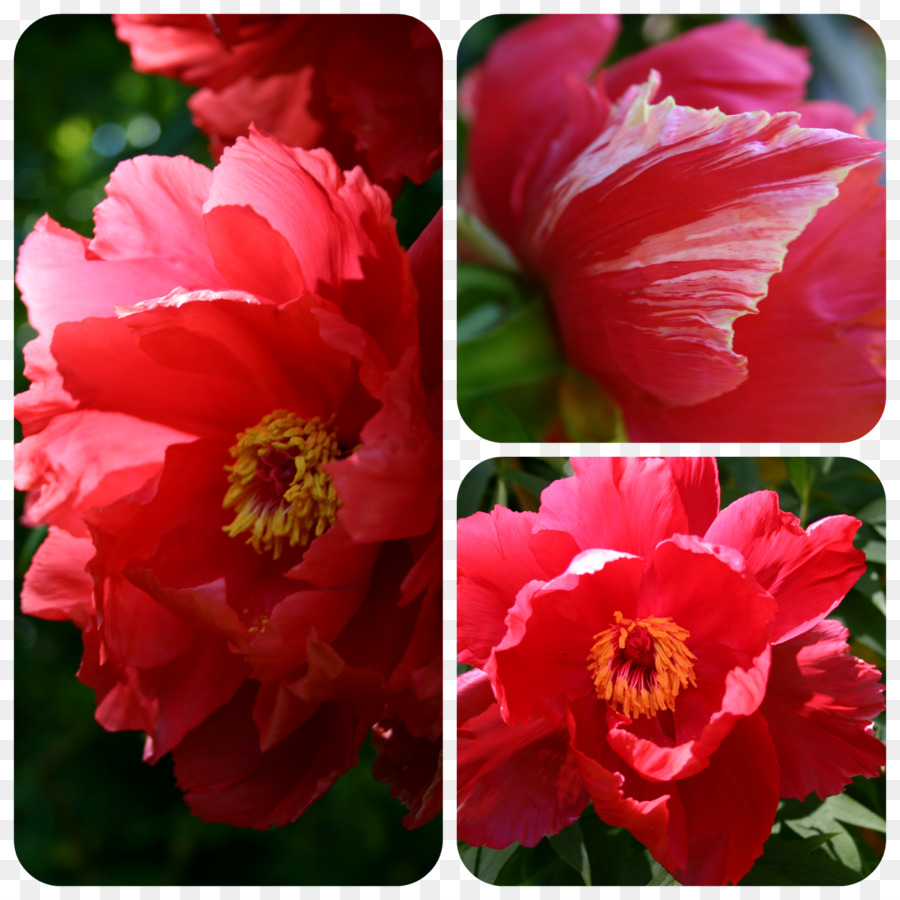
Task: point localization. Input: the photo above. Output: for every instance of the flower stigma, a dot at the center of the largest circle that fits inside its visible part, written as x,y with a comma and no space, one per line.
278,487
639,666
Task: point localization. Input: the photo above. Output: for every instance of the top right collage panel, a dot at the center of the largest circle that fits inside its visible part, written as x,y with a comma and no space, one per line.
671,228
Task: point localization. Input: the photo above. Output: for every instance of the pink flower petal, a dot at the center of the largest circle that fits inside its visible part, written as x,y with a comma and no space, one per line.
687,581
86,459
820,330
629,505
57,585
819,708
153,211
807,572
227,778
541,665
497,557
390,485
725,838
496,760
652,812
524,77
730,65
210,366
648,292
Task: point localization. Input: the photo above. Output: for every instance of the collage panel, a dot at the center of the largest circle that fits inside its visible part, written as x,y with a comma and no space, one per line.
229,258
672,228
240,401
670,671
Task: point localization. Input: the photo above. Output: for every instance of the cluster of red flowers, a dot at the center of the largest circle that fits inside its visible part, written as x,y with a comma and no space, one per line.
367,87
639,649
711,243
235,443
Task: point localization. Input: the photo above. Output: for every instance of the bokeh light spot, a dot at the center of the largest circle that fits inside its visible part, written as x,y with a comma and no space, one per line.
71,137
108,139
142,131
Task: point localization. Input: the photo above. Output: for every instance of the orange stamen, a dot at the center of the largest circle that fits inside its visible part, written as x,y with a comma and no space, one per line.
639,666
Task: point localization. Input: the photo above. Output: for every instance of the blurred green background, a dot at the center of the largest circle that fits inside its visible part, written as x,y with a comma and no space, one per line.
837,841
514,383
87,810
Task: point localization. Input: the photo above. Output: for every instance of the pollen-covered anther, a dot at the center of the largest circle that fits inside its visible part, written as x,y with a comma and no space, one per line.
639,666
278,487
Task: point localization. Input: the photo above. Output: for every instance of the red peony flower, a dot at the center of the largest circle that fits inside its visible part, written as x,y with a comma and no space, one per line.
227,433
640,650
684,226
366,87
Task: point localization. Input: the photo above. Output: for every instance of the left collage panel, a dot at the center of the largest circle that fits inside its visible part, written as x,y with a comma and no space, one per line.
228,461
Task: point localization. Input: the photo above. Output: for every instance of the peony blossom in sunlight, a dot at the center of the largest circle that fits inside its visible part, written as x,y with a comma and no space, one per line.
366,87
710,242
673,664
228,434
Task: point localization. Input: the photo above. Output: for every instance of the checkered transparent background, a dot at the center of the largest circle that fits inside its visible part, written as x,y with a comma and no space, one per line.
880,449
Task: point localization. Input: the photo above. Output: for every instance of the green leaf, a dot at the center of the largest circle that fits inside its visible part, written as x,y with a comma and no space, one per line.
798,862
875,552
472,232
570,846
521,350
615,856
873,513
477,285
532,483
538,865
484,862
851,811
29,546
802,473
473,492
661,877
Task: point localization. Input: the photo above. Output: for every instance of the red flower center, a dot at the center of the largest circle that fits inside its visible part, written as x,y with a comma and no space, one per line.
278,487
639,666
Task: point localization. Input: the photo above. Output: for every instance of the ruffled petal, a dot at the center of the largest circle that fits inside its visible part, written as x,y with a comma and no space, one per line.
384,79
344,243
498,555
821,697
807,572
208,365
647,292
278,104
63,281
164,701
687,581
652,812
495,760
86,459
524,77
412,767
628,505
227,778
201,49
153,211
725,838
57,585
730,65
390,485
817,350
540,666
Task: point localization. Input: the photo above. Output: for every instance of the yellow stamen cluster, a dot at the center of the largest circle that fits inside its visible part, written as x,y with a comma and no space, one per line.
639,666
278,488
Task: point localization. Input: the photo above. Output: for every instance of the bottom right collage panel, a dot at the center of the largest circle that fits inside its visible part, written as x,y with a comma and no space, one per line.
671,671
